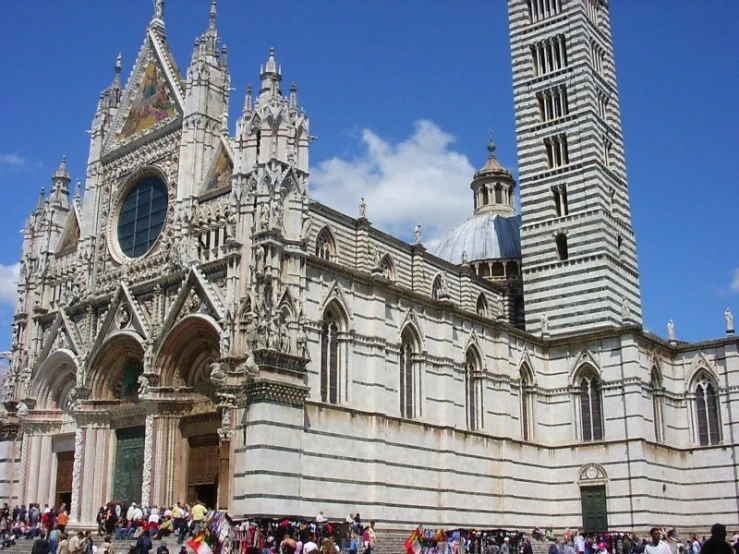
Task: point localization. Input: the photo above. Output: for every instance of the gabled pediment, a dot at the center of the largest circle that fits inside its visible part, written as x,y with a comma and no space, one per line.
61,336
123,314
220,171
71,234
153,98
195,296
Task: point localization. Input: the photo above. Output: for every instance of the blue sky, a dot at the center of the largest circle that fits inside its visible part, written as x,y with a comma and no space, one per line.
401,96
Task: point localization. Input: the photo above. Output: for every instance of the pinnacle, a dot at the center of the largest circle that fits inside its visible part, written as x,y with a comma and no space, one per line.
61,172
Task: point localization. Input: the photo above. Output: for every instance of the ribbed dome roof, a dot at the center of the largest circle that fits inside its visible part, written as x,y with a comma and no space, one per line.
485,236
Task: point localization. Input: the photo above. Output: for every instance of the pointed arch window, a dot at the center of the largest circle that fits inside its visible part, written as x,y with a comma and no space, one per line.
527,402
409,375
436,288
657,401
473,386
482,306
128,386
388,268
591,413
325,246
707,412
330,358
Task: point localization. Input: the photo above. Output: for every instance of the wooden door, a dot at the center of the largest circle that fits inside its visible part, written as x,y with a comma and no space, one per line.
594,509
64,471
129,465
202,471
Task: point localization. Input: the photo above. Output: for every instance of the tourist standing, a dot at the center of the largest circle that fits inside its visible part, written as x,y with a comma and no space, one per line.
717,543
580,543
657,545
41,545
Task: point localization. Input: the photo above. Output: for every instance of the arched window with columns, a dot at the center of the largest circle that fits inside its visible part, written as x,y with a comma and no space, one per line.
409,374
707,417
325,245
526,394
473,389
482,306
331,355
657,401
591,411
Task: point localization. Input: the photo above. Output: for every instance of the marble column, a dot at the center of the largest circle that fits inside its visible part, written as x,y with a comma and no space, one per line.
166,429
225,433
149,440
79,438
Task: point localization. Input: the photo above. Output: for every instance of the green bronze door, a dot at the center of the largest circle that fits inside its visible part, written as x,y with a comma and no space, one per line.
129,464
594,509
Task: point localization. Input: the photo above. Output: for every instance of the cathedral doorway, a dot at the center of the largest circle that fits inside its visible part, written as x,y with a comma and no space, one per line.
64,471
202,474
129,465
594,509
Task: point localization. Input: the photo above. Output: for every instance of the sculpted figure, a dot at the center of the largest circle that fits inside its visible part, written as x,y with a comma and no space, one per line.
671,330
264,219
143,385
544,324
259,257
306,227
251,331
443,287
362,208
417,234
729,317
217,375
284,336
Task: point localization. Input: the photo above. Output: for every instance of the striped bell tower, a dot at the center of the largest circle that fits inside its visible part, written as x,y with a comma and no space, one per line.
579,262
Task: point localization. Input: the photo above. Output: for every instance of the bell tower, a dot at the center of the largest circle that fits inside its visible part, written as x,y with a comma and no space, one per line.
579,262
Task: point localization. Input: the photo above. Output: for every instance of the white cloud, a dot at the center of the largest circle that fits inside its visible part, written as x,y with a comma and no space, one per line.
12,160
734,284
419,180
8,286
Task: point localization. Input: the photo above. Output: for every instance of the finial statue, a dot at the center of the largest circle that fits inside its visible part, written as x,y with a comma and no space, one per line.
362,208
159,9
671,331
544,322
464,257
491,142
625,310
417,234
729,317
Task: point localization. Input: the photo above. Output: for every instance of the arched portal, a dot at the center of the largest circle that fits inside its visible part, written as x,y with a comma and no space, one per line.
184,362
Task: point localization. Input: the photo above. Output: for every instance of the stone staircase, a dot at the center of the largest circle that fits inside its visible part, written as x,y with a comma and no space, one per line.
23,546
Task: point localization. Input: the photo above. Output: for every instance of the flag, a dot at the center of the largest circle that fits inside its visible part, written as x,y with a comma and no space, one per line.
199,546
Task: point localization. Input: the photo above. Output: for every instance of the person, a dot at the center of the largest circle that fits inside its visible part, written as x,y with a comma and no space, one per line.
372,536
41,545
526,549
198,515
61,520
143,544
107,546
162,549
580,543
717,543
62,547
88,543
505,548
320,518
76,544
54,537
288,546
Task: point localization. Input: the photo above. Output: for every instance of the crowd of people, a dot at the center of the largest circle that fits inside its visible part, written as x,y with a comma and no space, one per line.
116,522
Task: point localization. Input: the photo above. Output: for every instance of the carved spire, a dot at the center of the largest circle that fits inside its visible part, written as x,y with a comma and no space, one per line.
157,21
61,175
247,100
293,96
212,16
60,180
77,188
114,92
271,75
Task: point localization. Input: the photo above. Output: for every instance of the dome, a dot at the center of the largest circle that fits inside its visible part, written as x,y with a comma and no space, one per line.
484,236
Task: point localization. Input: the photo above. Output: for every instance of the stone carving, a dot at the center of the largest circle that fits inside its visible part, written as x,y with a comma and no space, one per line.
217,375
671,331
194,302
302,340
277,213
251,331
123,317
544,322
264,219
250,366
148,459
362,208
625,310
22,409
226,418
259,260
77,471
143,386
417,234
306,227
376,257
729,317
443,287
283,336
464,257
226,330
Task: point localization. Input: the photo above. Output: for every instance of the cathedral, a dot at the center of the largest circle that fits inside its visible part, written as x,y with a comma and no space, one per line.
192,324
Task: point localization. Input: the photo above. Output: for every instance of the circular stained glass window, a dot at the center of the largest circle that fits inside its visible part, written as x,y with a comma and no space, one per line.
142,216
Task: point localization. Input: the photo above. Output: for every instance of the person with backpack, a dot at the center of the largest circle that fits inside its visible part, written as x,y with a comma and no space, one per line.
143,544
41,545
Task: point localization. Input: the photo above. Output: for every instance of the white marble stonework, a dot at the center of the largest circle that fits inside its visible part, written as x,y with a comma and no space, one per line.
275,356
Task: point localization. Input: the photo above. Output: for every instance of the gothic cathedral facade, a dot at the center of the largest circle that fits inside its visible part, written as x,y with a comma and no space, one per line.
196,326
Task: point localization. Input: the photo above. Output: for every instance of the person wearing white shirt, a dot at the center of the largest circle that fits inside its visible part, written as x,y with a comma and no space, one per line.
320,518
657,546
580,543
